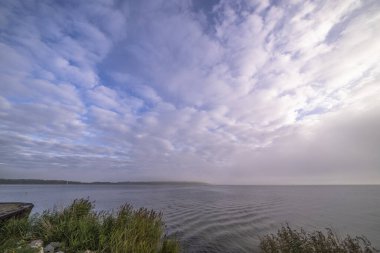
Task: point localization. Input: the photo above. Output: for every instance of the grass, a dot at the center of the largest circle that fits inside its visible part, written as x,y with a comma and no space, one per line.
78,227
288,240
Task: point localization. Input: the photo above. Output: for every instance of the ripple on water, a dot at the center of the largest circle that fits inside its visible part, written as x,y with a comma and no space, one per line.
227,218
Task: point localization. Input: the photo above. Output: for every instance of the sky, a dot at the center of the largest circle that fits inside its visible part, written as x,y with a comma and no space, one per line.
225,92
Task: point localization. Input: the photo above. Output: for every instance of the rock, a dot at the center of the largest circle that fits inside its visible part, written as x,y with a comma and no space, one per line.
89,251
36,244
59,252
55,244
49,249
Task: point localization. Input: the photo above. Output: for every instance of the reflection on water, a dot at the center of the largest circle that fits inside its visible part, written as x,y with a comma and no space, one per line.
225,218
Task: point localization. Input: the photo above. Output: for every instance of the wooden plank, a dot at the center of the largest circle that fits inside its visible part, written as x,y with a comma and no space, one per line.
16,210
8,207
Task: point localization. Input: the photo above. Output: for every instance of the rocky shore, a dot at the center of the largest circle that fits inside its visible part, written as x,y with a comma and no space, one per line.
52,247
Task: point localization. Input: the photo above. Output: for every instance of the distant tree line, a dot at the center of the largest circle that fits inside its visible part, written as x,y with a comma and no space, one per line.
42,181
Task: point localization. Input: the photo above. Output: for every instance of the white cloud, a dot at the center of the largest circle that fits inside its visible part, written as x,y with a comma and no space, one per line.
253,89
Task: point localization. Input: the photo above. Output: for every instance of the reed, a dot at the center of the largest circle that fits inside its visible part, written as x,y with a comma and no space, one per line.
78,227
288,240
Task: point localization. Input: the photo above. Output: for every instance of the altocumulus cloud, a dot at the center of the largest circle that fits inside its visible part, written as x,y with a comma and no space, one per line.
263,92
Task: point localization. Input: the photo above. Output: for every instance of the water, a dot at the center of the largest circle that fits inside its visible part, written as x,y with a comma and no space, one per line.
225,218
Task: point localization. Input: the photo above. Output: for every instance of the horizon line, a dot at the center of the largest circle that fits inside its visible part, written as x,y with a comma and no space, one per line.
181,181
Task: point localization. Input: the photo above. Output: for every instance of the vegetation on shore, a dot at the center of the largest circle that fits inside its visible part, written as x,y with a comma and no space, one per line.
288,240
78,228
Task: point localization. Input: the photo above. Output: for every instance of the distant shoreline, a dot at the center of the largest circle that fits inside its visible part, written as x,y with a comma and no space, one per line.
65,182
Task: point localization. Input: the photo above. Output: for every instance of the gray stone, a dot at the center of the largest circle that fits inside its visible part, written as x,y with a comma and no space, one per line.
49,249
55,244
59,252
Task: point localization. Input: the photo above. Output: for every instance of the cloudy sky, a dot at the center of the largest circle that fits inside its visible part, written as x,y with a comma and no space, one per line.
250,92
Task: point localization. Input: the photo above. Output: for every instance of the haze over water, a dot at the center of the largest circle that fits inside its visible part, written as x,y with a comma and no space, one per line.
208,218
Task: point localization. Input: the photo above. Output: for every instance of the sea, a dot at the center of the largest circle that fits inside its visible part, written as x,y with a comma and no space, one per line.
223,218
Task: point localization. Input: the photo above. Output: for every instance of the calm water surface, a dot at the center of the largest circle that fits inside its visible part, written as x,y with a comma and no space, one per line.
225,218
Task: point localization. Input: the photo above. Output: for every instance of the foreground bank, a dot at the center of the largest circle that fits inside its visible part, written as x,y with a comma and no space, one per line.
78,228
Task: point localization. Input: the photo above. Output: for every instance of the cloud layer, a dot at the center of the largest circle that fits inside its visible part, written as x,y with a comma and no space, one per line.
264,92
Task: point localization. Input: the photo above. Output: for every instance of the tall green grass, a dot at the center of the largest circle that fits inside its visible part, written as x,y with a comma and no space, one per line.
288,240
14,234
78,227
